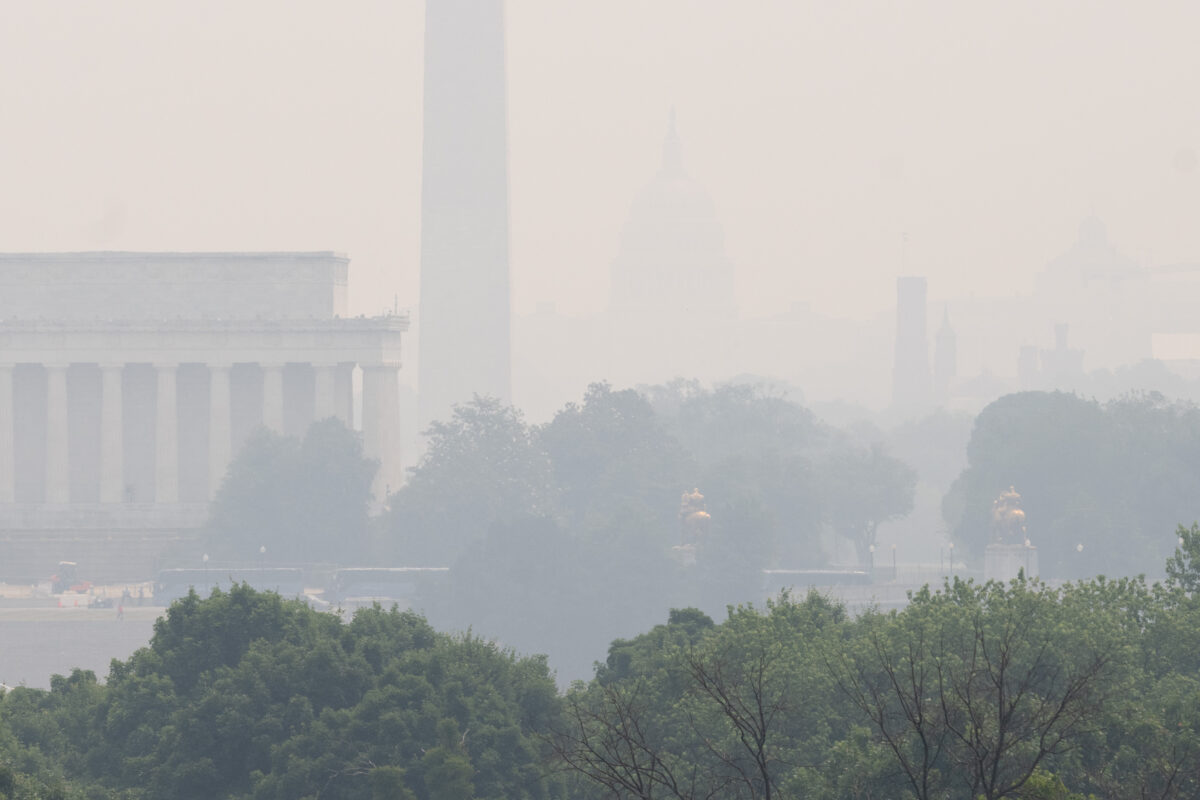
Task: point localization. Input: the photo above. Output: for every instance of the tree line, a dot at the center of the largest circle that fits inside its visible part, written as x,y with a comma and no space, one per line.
1018,690
559,536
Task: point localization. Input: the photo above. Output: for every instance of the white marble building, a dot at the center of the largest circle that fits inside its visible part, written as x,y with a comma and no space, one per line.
128,381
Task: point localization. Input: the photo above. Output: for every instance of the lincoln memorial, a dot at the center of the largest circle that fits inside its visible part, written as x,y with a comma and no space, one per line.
129,380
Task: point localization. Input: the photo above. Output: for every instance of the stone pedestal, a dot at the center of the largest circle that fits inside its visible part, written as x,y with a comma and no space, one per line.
685,554
1003,562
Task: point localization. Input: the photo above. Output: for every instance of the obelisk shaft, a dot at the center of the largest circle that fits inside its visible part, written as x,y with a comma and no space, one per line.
463,325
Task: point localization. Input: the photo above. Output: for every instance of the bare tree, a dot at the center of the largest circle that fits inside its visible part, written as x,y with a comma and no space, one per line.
751,694
894,690
975,687
611,740
732,705
1013,701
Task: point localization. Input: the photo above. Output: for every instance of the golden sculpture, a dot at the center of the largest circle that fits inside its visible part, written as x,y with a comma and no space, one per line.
693,518
1008,519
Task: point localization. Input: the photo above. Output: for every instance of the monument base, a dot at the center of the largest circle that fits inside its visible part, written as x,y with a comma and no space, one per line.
1003,562
685,554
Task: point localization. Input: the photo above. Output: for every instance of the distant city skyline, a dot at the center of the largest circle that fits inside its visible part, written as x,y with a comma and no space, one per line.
824,134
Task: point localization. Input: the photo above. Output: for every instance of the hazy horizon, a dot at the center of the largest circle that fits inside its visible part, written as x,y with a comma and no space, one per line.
824,134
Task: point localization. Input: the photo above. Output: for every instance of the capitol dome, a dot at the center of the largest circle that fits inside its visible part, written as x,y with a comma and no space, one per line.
672,255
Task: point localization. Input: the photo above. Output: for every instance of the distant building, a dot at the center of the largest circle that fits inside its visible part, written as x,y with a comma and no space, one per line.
945,360
129,380
672,263
464,320
1062,367
1029,371
910,375
672,309
1104,295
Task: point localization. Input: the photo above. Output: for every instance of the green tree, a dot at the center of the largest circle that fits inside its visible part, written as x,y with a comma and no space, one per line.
482,466
305,498
691,710
864,487
611,454
387,783
244,694
1183,568
756,454
1115,478
974,689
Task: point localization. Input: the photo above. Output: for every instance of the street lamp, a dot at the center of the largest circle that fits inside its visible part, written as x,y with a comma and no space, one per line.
871,566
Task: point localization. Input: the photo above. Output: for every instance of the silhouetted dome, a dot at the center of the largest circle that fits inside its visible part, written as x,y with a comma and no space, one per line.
672,255
1092,258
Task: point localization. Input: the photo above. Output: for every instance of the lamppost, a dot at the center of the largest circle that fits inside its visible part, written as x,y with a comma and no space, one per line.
262,558
952,559
204,560
871,566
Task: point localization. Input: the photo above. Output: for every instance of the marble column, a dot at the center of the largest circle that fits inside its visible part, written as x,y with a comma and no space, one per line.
343,394
273,397
220,426
381,425
58,471
7,461
166,440
325,382
112,435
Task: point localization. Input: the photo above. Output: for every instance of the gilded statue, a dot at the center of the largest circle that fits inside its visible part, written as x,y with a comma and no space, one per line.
693,518
1008,519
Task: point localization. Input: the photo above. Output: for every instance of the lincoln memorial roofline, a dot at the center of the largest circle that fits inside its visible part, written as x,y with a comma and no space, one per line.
190,255
127,285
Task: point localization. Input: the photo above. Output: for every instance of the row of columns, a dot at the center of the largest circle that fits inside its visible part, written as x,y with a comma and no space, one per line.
379,405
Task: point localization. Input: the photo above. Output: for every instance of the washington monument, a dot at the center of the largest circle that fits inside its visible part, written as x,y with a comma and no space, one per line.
464,314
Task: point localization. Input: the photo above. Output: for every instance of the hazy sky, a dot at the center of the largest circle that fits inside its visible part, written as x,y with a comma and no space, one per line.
823,131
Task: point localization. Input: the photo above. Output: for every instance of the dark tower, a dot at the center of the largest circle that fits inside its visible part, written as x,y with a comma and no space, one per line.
463,326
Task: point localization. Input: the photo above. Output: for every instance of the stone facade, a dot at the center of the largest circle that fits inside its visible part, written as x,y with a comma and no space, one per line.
120,414
171,286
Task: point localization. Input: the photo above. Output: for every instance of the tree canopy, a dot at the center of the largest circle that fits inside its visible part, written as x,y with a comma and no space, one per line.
246,695
1103,485
304,500
560,537
1017,690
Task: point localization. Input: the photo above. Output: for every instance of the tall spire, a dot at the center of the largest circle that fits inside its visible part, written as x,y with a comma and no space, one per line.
672,149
